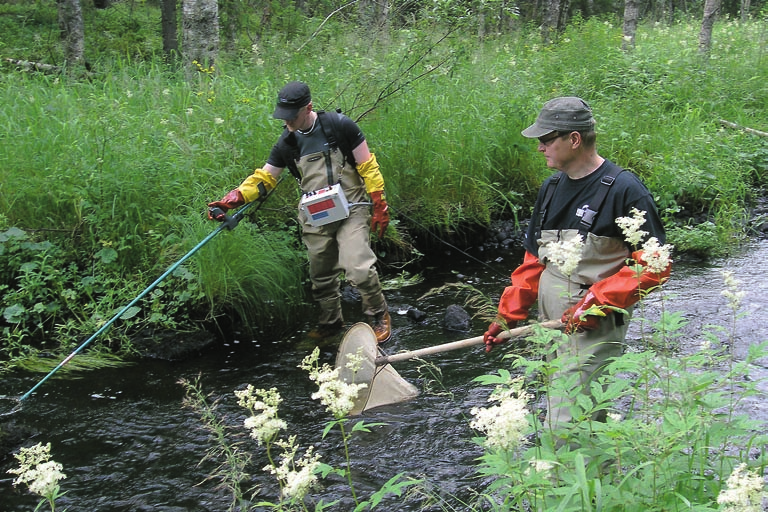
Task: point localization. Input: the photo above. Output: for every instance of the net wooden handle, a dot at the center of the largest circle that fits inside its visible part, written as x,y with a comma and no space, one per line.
478,340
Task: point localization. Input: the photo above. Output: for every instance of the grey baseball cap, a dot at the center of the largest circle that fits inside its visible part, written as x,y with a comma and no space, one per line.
565,114
292,98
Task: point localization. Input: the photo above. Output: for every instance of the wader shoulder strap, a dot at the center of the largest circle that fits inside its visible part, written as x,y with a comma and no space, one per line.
545,202
291,156
588,218
332,132
330,126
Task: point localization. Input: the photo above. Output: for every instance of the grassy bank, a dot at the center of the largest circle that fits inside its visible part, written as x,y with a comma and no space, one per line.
104,181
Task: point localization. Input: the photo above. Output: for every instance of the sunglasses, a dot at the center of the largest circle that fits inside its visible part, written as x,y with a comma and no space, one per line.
547,140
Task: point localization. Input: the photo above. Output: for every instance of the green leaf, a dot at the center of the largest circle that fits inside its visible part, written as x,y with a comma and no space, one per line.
365,427
14,314
130,313
107,255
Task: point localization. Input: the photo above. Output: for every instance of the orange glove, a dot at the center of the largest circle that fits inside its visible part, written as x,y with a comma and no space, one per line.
621,290
578,318
217,210
380,219
518,298
494,330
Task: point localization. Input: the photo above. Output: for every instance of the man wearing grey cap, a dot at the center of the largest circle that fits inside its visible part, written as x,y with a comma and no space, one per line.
579,205
329,156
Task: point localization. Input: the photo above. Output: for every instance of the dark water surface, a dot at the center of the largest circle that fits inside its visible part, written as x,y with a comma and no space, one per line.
127,444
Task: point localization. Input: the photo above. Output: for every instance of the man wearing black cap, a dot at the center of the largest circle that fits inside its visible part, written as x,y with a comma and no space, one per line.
332,213
580,205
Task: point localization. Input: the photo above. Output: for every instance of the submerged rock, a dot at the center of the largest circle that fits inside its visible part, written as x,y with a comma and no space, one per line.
171,345
457,319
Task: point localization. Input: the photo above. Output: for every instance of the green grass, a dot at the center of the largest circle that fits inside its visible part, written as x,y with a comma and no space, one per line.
115,171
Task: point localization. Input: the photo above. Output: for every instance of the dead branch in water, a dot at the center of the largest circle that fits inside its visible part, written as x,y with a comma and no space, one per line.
744,128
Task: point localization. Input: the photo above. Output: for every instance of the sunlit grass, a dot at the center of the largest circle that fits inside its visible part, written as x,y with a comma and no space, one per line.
127,160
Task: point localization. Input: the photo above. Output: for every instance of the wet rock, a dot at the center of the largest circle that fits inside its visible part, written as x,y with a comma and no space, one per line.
456,319
350,294
13,435
416,315
171,345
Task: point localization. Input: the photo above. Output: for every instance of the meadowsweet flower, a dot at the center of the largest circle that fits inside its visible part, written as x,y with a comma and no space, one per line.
38,472
297,477
263,422
337,395
732,292
566,254
614,416
355,361
539,467
504,425
630,226
657,257
744,491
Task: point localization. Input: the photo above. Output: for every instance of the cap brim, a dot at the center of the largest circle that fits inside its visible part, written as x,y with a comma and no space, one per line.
286,113
535,131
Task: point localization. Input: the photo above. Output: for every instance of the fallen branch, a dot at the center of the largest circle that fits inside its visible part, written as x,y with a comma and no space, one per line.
27,65
744,128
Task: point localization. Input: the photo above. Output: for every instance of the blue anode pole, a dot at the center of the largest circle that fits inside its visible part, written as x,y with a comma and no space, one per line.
230,222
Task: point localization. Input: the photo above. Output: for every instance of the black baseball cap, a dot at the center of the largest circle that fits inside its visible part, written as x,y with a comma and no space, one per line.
291,98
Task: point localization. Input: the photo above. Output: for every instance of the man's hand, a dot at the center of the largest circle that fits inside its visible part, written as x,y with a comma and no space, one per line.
584,316
380,219
490,336
217,210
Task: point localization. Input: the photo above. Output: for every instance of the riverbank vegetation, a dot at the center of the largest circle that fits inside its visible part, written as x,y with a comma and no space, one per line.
104,175
675,433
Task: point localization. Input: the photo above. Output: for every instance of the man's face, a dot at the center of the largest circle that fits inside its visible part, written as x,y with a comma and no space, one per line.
555,147
300,121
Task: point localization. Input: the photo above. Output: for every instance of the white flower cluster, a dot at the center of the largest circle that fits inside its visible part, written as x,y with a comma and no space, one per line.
732,291
540,467
566,255
744,491
630,226
297,476
504,425
35,469
657,257
337,395
263,422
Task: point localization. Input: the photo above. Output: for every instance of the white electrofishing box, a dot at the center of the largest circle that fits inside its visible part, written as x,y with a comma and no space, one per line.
325,205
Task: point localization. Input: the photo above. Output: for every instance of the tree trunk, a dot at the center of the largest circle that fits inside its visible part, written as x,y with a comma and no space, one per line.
72,31
480,21
745,5
631,13
230,15
549,24
170,28
200,22
705,36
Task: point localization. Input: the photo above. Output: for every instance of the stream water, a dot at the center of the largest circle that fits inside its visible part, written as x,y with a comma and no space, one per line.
126,443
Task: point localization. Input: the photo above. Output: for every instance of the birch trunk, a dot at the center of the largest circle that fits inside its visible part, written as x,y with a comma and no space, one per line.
711,7
200,31
70,17
631,13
